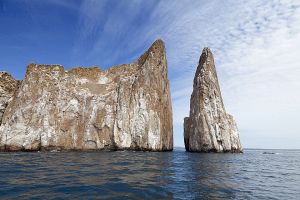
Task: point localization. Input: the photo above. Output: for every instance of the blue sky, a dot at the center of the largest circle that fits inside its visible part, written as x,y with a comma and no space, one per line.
256,45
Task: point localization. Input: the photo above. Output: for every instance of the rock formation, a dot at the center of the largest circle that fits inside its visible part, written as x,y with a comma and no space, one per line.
125,107
209,128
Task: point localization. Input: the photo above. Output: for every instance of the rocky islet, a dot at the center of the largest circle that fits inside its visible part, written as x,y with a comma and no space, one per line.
125,107
209,128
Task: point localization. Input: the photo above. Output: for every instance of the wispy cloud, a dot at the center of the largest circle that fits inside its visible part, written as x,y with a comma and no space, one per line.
255,43
256,46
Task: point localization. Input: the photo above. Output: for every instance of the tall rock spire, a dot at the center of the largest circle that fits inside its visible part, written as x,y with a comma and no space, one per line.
209,128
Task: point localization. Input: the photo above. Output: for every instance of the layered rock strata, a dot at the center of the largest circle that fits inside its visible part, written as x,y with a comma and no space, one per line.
209,128
125,107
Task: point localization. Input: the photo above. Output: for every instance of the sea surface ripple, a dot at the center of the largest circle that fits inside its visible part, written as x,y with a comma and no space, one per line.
256,174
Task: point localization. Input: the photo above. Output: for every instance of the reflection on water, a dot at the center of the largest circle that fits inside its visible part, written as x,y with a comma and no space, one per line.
145,175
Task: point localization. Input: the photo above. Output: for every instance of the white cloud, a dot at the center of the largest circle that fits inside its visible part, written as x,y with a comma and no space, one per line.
255,43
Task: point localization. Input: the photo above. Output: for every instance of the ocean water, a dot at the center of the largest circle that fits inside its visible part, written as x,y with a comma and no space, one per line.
256,174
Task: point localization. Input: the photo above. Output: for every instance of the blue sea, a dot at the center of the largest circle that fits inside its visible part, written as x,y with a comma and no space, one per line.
256,174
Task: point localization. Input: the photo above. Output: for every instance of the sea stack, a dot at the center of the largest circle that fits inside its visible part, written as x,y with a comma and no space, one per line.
209,128
125,107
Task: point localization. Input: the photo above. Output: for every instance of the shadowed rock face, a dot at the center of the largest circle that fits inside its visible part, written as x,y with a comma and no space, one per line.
209,128
8,87
125,107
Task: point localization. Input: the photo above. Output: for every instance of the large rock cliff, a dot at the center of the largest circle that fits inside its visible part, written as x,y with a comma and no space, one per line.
125,107
209,128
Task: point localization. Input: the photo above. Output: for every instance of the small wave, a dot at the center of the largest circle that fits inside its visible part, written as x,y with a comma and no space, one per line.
54,151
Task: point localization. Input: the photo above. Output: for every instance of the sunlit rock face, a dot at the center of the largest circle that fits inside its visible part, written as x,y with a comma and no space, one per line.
209,128
125,107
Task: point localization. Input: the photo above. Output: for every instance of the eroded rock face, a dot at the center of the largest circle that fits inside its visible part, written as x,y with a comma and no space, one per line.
209,128
124,107
8,86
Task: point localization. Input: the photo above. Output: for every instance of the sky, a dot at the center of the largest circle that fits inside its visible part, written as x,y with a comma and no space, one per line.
256,45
